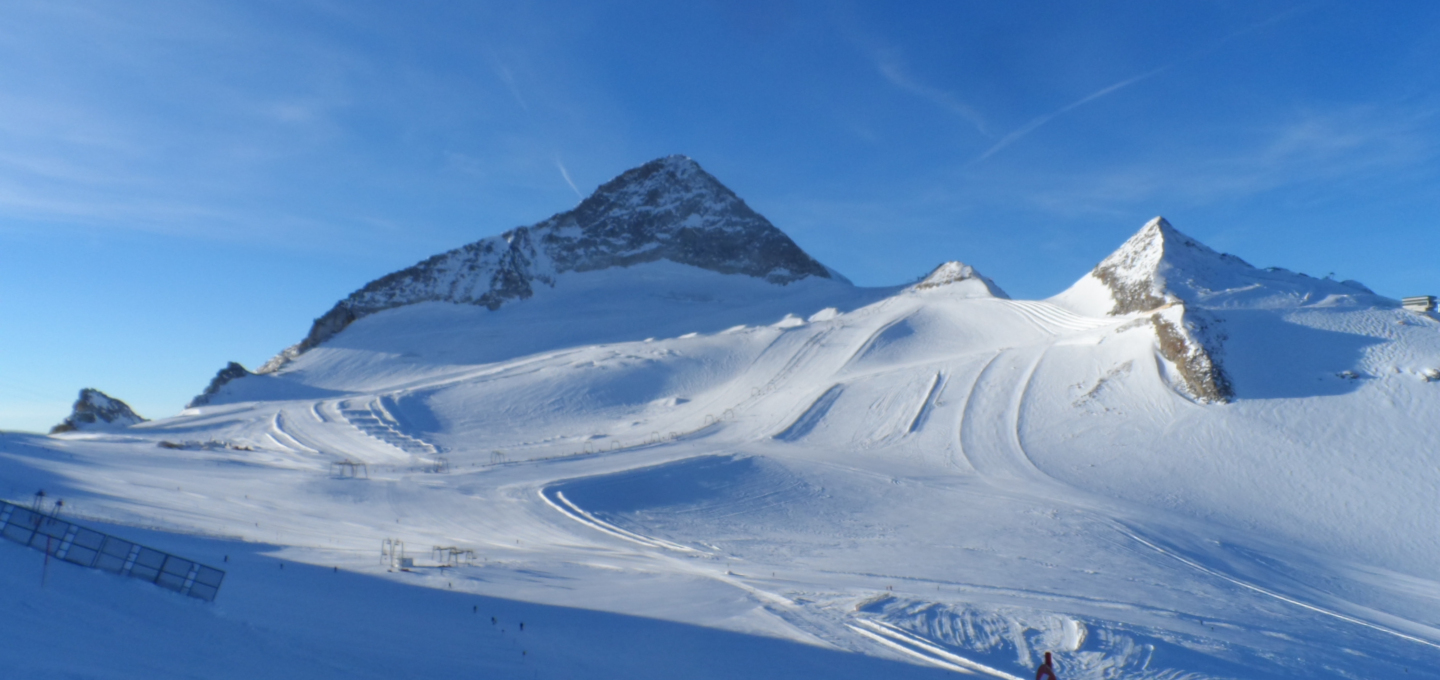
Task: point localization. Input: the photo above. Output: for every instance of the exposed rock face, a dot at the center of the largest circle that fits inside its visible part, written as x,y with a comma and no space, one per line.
1138,273
1159,267
96,410
668,209
956,272
231,371
1188,340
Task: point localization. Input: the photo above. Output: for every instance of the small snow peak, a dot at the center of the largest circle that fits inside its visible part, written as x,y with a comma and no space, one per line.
947,273
96,410
957,272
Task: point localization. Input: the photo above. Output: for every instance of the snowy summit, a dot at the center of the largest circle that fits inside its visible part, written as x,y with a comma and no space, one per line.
1159,265
962,277
668,209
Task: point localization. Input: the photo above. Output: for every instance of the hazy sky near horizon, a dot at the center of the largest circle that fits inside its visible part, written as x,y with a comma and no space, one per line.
183,184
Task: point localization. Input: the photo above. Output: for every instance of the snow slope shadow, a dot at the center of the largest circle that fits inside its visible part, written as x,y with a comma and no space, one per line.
695,484
812,416
698,498
20,478
1268,357
283,619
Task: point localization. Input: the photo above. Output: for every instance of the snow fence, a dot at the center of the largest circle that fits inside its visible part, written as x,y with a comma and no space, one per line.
89,548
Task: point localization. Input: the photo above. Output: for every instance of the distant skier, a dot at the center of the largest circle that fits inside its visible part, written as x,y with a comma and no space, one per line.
1045,671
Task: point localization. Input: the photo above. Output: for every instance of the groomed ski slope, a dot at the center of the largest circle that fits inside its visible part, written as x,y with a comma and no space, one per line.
839,483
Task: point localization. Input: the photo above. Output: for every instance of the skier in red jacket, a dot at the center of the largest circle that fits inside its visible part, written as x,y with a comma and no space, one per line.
1045,671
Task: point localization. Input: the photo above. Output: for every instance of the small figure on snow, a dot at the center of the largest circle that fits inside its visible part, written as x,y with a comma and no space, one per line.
1045,671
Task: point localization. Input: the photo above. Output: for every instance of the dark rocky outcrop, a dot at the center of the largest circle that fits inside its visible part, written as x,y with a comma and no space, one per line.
97,410
232,371
1187,340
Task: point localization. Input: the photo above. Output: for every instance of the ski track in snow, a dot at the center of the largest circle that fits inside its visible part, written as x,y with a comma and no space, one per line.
812,415
928,651
989,430
1283,598
931,396
1055,319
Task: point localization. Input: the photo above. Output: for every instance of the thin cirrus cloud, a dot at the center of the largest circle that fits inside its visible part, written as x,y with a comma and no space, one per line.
1035,123
893,70
1313,147
1038,121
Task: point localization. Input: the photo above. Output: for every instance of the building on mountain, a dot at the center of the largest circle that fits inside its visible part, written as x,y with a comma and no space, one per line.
1419,303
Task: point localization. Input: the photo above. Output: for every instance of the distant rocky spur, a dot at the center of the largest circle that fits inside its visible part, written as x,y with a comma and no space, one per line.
95,410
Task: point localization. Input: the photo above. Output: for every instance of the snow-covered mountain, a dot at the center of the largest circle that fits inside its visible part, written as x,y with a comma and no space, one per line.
666,210
1180,467
95,410
1160,266
1184,287
962,277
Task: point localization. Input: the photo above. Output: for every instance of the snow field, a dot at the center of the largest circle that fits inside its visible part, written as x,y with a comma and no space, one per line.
934,482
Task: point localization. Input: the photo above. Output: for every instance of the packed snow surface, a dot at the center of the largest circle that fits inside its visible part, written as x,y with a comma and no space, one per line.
666,471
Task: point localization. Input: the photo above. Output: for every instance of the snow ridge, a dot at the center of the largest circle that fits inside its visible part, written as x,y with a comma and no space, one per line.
95,410
667,209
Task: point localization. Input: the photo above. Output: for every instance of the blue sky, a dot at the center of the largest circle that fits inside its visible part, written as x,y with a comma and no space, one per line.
183,184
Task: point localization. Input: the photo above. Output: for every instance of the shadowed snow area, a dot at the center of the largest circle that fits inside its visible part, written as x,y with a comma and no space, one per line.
671,471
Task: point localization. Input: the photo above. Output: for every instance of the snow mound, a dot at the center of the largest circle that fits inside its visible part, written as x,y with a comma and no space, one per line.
95,410
667,209
958,277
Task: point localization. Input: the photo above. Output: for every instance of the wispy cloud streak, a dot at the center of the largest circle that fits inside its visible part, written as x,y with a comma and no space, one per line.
894,72
566,174
1038,121
1035,123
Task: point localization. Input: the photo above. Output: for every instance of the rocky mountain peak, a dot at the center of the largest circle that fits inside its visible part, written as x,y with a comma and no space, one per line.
1159,265
96,410
1185,287
667,209
1171,276
671,209
232,371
